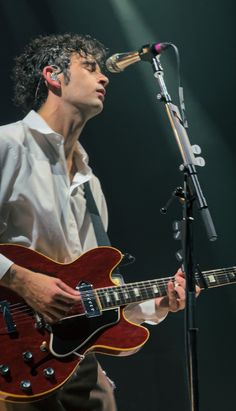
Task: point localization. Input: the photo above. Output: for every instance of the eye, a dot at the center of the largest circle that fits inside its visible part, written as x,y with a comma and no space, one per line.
91,65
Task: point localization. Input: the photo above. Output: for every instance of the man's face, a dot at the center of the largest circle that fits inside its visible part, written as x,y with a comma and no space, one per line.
85,91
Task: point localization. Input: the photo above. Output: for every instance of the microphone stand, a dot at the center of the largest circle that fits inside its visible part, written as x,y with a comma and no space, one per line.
192,192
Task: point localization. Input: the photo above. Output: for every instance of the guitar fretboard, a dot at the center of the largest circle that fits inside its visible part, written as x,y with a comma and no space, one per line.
111,297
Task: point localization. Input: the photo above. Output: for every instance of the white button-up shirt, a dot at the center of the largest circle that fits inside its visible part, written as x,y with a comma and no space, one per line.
40,207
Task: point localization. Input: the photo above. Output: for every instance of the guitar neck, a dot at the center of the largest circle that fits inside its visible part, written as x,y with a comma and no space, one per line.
116,296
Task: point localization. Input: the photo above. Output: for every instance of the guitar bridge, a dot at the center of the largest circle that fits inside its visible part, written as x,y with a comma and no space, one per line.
89,299
4,308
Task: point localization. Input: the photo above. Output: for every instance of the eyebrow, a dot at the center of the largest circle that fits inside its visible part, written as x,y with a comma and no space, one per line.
92,62
89,61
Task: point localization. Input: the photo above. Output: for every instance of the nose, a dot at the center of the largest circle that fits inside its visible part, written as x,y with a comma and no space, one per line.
103,80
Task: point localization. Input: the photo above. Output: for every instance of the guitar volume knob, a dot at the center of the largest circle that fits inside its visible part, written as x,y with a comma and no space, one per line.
27,356
49,372
25,385
4,370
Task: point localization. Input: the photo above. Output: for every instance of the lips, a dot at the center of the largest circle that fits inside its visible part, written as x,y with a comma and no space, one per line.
101,91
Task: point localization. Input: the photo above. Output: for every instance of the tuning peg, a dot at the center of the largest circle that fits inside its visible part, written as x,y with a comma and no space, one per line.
179,256
196,149
199,161
177,230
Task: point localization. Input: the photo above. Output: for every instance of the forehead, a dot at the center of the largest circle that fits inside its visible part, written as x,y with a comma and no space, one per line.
77,58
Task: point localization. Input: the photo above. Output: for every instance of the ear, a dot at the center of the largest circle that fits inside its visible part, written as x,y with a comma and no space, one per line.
51,77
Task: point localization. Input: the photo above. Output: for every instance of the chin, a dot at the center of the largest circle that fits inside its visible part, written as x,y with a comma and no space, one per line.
97,109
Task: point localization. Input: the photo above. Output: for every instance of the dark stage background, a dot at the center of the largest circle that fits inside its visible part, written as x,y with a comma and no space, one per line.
134,153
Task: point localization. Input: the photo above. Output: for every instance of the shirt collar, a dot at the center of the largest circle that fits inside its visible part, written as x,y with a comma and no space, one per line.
35,122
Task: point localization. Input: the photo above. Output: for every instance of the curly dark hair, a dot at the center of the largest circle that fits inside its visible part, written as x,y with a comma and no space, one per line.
30,91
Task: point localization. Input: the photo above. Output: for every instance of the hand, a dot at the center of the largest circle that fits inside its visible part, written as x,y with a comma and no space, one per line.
175,298
47,295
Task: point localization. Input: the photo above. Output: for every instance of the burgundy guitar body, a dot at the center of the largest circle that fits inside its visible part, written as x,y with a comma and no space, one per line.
36,358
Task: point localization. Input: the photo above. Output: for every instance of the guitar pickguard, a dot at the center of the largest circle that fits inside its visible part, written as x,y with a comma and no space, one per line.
74,334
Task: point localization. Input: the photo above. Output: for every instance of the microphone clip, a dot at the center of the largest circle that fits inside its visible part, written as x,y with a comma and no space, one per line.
177,193
147,52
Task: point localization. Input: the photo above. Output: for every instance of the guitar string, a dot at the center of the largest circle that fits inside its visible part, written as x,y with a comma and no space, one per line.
161,282
24,309
28,310
100,291
145,285
22,319
121,289
125,288
219,273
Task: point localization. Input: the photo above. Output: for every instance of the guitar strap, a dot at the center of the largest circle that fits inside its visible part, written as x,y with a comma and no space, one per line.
100,232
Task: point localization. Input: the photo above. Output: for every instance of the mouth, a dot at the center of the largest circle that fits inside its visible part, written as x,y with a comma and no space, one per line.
101,93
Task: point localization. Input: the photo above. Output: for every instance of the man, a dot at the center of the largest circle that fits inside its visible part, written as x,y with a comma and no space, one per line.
42,201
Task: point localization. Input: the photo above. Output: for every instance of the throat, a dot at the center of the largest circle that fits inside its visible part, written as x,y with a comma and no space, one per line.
71,169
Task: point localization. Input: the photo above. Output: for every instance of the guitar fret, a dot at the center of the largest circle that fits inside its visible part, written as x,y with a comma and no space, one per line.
131,294
102,299
126,295
107,297
136,292
155,289
113,296
116,296
232,274
162,288
144,290
215,278
211,279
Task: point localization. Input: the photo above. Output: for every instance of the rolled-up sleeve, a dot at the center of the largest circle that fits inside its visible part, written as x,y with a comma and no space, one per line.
144,312
5,264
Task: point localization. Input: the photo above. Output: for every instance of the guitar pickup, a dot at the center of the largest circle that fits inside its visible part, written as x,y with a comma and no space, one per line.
4,308
89,299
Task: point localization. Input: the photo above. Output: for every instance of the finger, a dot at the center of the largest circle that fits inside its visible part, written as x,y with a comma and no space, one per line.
179,280
64,296
176,295
67,289
197,290
55,314
172,294
180,272
180,291
48,318
61,305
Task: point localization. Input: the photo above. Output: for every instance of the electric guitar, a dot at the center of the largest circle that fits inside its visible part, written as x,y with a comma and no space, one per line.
37,358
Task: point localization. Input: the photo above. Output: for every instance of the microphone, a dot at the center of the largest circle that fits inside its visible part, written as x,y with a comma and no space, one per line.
119,61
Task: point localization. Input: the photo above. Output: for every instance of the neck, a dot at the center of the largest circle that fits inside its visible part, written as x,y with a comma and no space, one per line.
64,122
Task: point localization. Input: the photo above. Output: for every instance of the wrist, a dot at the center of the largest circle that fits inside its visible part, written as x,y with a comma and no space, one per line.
14,277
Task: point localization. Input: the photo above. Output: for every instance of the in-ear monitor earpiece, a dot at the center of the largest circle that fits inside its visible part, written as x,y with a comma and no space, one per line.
53,76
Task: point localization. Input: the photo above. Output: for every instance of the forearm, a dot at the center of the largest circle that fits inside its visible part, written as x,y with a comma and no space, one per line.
15,278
